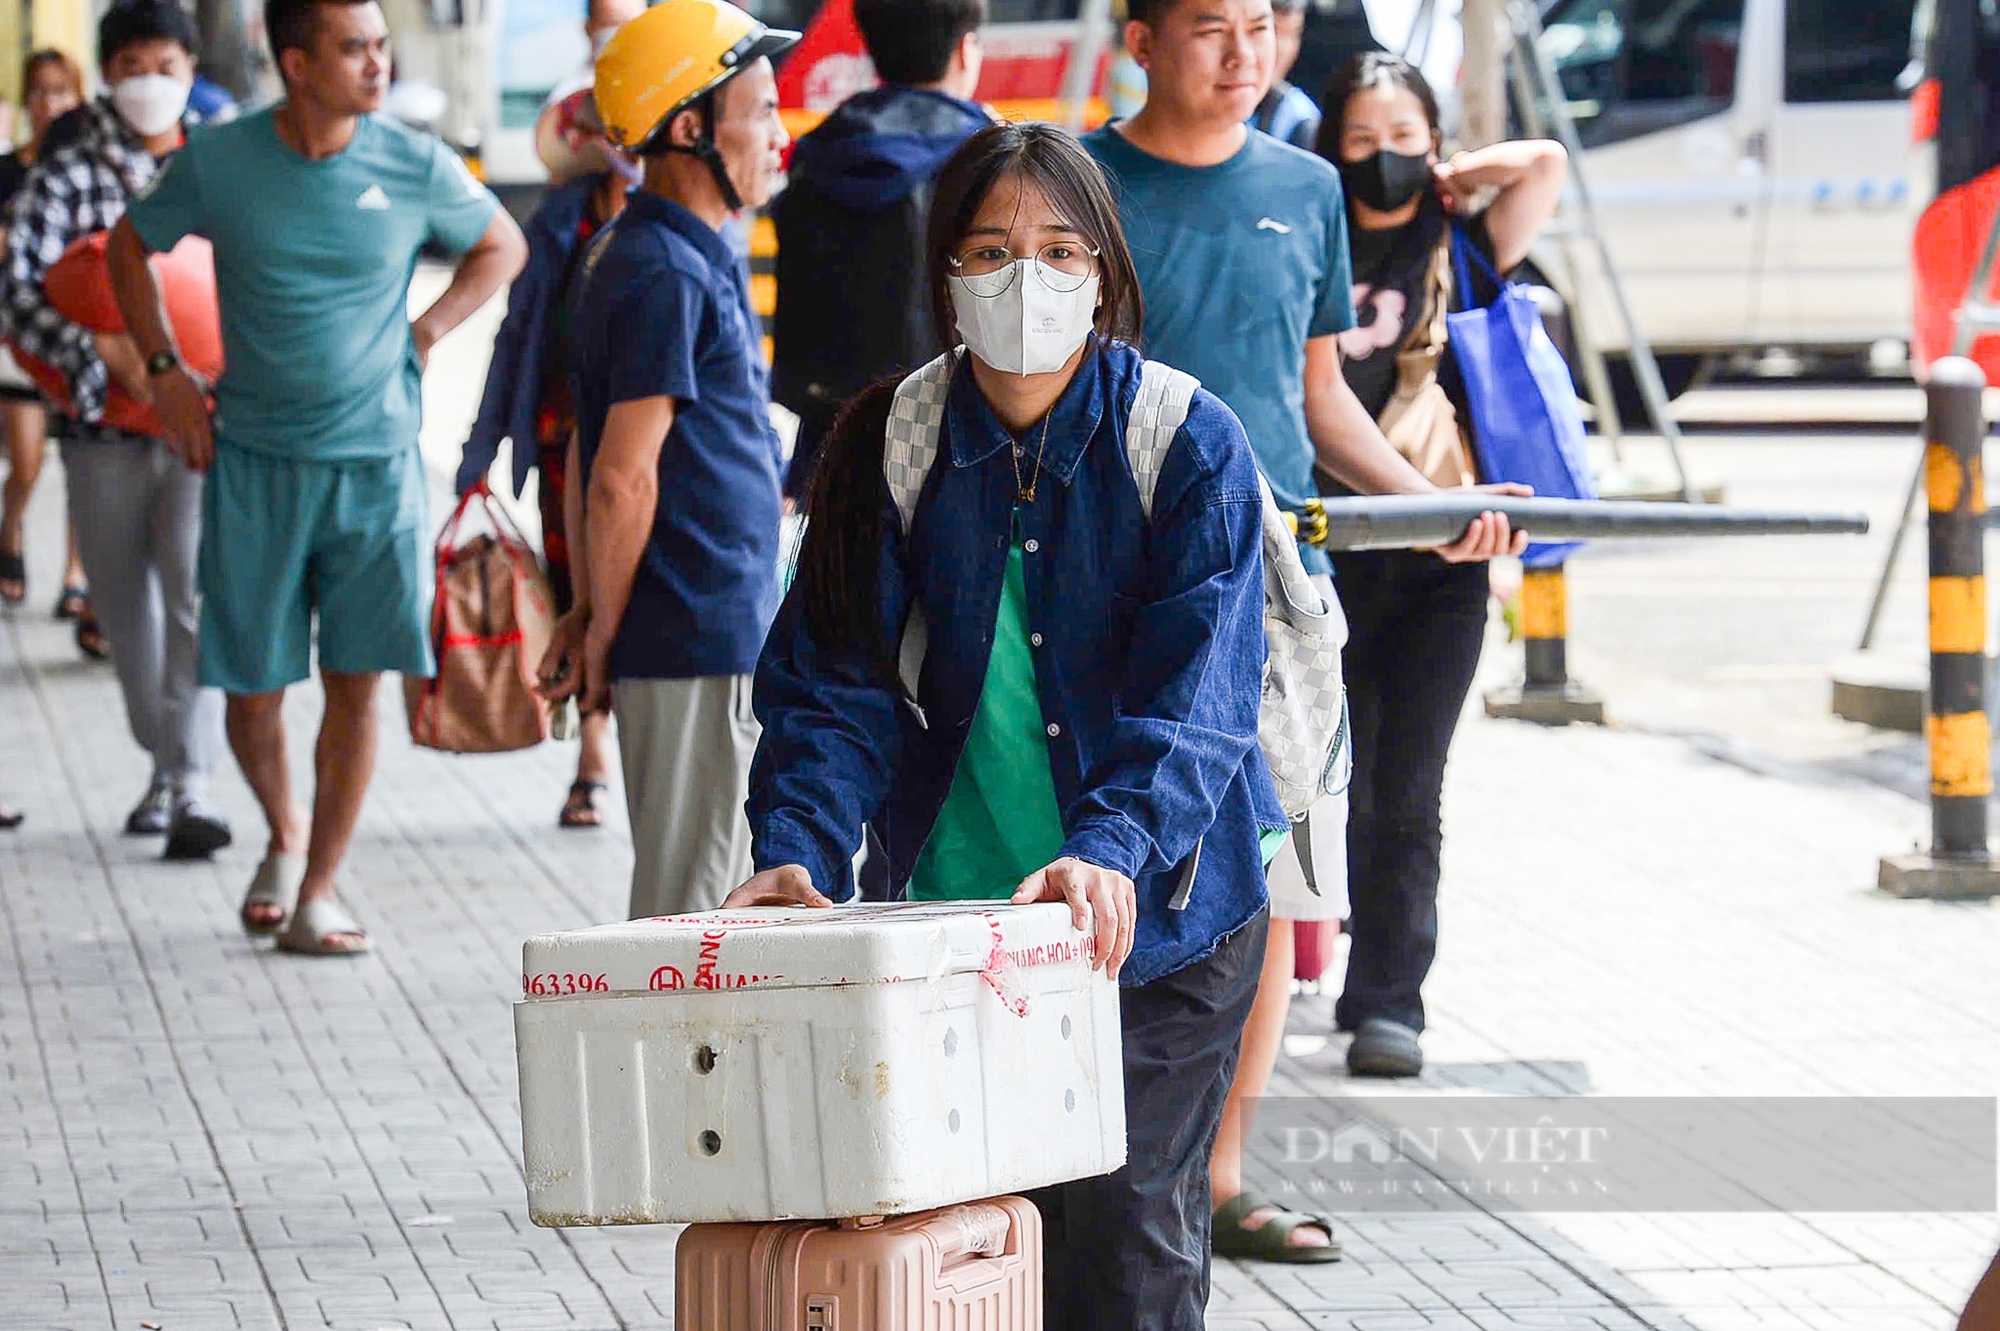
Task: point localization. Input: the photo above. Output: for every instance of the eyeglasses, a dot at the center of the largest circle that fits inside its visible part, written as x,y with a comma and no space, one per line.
988,270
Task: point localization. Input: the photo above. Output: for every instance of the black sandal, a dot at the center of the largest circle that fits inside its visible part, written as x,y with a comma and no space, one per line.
10,818
13,577
580,809
1272,1240
90,639
74,602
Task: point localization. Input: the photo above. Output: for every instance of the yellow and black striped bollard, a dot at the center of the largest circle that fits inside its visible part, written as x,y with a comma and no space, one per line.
764,275
1548,696
1958,864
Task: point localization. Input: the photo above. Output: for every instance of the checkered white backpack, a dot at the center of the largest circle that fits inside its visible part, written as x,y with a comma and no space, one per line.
1302,725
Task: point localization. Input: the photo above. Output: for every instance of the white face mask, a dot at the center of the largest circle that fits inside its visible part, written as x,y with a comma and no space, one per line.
1029,328
150,103
599,39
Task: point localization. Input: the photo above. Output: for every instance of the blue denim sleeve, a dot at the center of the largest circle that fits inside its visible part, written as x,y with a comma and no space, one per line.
1194,679
830,740
505,380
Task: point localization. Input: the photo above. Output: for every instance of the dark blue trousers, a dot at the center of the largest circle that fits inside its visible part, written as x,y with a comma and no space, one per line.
1130,1249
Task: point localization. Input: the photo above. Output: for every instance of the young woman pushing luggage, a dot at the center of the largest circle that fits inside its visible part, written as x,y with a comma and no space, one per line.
1075,719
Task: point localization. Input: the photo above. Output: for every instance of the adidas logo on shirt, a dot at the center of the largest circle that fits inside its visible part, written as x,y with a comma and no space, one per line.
373,200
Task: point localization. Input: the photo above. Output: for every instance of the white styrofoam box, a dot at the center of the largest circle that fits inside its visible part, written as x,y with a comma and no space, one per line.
792,1063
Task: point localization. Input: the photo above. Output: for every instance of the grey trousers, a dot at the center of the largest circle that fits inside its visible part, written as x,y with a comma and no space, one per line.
137,514
685,746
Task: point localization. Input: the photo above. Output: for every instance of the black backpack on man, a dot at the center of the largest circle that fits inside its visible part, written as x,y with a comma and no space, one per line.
851,301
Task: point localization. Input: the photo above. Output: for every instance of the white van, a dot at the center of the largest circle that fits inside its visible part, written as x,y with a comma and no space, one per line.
1754,170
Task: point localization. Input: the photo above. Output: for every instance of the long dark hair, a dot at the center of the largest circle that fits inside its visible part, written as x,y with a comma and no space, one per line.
839,572
1379,69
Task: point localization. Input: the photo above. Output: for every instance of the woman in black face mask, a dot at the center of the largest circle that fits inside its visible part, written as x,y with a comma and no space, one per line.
1416,624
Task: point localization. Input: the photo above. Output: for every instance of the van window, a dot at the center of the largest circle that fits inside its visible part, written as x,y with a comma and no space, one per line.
1846,50
1632,67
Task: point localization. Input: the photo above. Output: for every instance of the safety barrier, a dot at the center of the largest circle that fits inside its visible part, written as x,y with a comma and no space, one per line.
1547,695
1961,764
1393,522
764,276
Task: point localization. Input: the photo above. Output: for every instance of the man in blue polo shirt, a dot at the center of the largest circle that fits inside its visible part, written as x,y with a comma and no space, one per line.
678,465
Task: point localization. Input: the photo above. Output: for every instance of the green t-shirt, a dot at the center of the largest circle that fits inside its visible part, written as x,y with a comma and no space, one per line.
313,261
1000,822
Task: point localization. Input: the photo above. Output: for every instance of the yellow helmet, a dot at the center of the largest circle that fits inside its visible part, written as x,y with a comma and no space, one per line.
672,55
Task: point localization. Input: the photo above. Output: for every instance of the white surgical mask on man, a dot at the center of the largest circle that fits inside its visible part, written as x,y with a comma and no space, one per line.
1028,328
150,103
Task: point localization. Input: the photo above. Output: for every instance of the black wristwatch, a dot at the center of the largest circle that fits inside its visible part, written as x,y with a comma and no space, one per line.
162,362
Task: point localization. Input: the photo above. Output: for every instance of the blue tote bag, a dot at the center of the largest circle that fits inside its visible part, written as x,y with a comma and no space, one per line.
1526,424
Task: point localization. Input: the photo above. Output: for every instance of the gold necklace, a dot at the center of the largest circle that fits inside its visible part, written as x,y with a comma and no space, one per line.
1026,493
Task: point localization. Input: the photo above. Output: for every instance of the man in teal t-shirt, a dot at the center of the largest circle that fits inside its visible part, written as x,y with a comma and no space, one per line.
1240,242
313,265
1244,264
315,502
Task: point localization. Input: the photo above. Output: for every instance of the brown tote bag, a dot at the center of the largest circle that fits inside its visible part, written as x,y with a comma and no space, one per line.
490,624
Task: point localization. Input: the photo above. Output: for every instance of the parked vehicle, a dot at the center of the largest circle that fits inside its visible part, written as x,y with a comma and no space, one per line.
1754,170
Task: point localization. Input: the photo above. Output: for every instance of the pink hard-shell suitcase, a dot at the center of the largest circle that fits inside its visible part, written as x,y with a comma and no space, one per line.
977,1266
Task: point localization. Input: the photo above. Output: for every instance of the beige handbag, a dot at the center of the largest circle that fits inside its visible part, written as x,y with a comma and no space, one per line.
490,625
1420,421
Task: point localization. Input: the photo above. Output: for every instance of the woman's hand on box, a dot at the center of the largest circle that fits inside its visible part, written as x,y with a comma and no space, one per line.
1100,899
786,885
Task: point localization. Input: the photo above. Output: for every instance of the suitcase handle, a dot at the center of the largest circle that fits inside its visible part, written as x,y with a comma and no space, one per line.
977,1231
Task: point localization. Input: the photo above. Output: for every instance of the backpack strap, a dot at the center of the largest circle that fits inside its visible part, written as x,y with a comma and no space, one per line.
909,449
1158,412
910,445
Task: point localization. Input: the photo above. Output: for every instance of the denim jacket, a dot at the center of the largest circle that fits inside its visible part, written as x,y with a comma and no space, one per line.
514,377
1149,656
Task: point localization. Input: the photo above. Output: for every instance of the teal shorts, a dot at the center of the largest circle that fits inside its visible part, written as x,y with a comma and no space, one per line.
284,540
